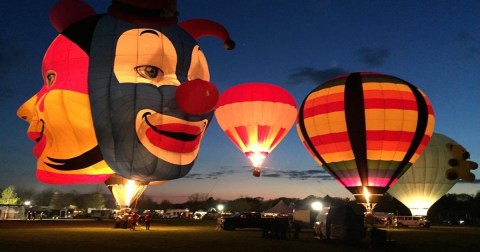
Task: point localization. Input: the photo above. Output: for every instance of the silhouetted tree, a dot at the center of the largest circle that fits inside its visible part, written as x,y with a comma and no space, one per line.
56,201
44,197
390,204
95,200
197,201
25,194
165,204
145,202
238,205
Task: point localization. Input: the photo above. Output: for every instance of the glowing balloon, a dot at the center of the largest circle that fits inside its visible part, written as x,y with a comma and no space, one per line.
110,102
67,12
60,120
366,130
256,117
127,191
425,182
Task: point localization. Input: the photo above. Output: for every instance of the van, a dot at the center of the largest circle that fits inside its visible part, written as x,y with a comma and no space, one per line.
100,214
176,213
411,221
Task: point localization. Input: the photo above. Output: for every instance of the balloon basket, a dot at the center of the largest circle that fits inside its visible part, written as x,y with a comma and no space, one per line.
256,172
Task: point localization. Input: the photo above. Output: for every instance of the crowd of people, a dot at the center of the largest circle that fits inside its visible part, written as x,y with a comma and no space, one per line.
32,215
131,219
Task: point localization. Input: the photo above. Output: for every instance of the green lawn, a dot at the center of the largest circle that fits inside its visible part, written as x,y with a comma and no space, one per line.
178,235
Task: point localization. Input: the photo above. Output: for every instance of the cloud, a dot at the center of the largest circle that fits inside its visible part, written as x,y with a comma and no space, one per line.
310,75
9,55
194,176
268,173
468,45
373,57
298,174
211,175
464,37
476,181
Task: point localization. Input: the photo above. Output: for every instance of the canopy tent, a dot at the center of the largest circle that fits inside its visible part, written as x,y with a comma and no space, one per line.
281,209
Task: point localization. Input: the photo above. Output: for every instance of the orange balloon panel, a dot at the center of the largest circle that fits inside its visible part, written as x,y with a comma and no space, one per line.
256,116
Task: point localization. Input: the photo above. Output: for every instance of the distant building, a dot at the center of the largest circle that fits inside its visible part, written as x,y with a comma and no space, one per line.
12,212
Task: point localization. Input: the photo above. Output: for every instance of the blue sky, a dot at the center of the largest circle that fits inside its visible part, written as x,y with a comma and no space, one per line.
434,45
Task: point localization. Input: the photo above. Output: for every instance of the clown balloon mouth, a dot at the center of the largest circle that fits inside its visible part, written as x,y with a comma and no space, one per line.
175,137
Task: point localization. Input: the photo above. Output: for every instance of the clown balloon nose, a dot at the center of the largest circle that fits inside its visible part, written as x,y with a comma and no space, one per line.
196,97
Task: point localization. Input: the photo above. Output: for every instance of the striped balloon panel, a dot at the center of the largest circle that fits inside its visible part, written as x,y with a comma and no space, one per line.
366,129
256,125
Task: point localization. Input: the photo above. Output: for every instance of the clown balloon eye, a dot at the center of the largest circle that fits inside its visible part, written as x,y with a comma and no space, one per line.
148,72
50,79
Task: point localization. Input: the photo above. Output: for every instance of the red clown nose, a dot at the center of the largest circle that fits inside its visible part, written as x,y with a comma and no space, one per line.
196,97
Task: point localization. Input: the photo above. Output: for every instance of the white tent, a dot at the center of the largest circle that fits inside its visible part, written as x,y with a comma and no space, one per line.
281,209
198,215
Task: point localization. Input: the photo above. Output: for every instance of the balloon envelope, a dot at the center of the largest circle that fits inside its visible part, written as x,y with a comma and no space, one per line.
425,182
256,117
366,130
60,119
142,133
109,103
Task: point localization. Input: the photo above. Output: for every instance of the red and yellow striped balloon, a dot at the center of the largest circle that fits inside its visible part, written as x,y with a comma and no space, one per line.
256,117
366,129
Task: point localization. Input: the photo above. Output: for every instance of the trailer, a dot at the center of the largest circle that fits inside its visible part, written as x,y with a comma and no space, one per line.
101,214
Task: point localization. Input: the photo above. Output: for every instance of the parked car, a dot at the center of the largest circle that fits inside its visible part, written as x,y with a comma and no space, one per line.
242,220
454,221
101,214
411,221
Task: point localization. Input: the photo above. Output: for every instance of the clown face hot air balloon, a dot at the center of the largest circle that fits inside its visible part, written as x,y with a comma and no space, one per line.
256,117
61,121
425,182
366,130
128,93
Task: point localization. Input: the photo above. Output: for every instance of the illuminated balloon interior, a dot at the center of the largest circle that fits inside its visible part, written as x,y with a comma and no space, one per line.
125,191
256,157
425,182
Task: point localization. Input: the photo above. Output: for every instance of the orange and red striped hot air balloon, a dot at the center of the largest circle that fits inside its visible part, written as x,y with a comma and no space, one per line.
256,117
366,129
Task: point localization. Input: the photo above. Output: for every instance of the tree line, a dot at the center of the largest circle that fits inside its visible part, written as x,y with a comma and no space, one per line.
450,207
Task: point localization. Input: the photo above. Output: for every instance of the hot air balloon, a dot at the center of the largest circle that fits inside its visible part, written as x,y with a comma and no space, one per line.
60,120
141,88
256,117
366,130
425,182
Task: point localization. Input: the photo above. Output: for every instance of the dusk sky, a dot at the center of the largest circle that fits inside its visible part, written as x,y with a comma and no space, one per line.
435,45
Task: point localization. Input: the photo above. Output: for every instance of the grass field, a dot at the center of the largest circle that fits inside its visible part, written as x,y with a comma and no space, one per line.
184,235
